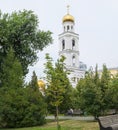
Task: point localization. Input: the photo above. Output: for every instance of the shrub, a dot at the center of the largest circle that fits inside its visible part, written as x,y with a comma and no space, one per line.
22,107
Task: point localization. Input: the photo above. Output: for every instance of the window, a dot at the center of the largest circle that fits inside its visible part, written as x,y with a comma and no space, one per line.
67,27
73,44
63,44
73,60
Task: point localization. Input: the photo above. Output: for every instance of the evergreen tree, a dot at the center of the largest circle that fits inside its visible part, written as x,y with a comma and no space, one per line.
21,107
104,85
34,82
11,73
96,77
105,79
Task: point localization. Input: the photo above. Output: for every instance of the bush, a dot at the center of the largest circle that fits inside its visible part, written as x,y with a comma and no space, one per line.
22,107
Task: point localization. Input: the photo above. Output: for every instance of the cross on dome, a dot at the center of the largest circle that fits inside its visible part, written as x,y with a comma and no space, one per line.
68,7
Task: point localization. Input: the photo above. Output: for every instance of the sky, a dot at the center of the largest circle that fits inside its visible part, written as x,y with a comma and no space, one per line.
96,22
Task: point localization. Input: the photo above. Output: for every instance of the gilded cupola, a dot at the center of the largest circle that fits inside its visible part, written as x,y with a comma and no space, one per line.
68,17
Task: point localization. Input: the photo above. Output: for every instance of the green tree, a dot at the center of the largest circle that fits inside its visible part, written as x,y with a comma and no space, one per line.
105,79
112,93
19,30
11,73
96,76
68,90
89,94
34,82
68,97
21,107
94,92
104,86
56,83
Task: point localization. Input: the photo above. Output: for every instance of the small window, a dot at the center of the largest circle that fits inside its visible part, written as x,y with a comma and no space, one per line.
73,44
68,28
73,60
63,44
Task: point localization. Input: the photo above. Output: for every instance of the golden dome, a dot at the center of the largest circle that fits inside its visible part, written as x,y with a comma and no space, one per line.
41,84
68,17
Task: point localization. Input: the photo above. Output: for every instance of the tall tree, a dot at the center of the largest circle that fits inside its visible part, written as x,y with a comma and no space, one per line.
57,82
19,30
105,79
104,85
96,78
65,84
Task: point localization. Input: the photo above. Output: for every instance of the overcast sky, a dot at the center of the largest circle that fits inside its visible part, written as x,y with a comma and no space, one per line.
96,22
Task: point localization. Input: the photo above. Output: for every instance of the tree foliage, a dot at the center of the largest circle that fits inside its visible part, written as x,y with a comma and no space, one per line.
20,40
112,93
57,75
98,92
57,83
34,82
95,90
19,30
89,94
11,74
22,107
105,79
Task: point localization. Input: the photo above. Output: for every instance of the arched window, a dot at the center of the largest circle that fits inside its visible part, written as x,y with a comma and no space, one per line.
63,44
73,60
73,44
68,28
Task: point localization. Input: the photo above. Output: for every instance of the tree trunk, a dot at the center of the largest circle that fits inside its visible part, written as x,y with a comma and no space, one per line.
57,119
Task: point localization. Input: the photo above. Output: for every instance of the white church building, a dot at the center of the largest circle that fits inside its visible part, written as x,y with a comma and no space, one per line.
69,48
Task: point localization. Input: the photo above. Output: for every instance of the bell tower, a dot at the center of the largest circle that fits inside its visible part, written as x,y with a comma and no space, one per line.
69,47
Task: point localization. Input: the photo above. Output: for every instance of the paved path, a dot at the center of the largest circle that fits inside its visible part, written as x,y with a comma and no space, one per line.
86,118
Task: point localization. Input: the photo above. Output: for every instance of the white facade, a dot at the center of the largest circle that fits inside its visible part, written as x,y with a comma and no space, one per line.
69,47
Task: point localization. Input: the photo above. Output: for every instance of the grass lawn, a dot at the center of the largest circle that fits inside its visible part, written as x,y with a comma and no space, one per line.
65,125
